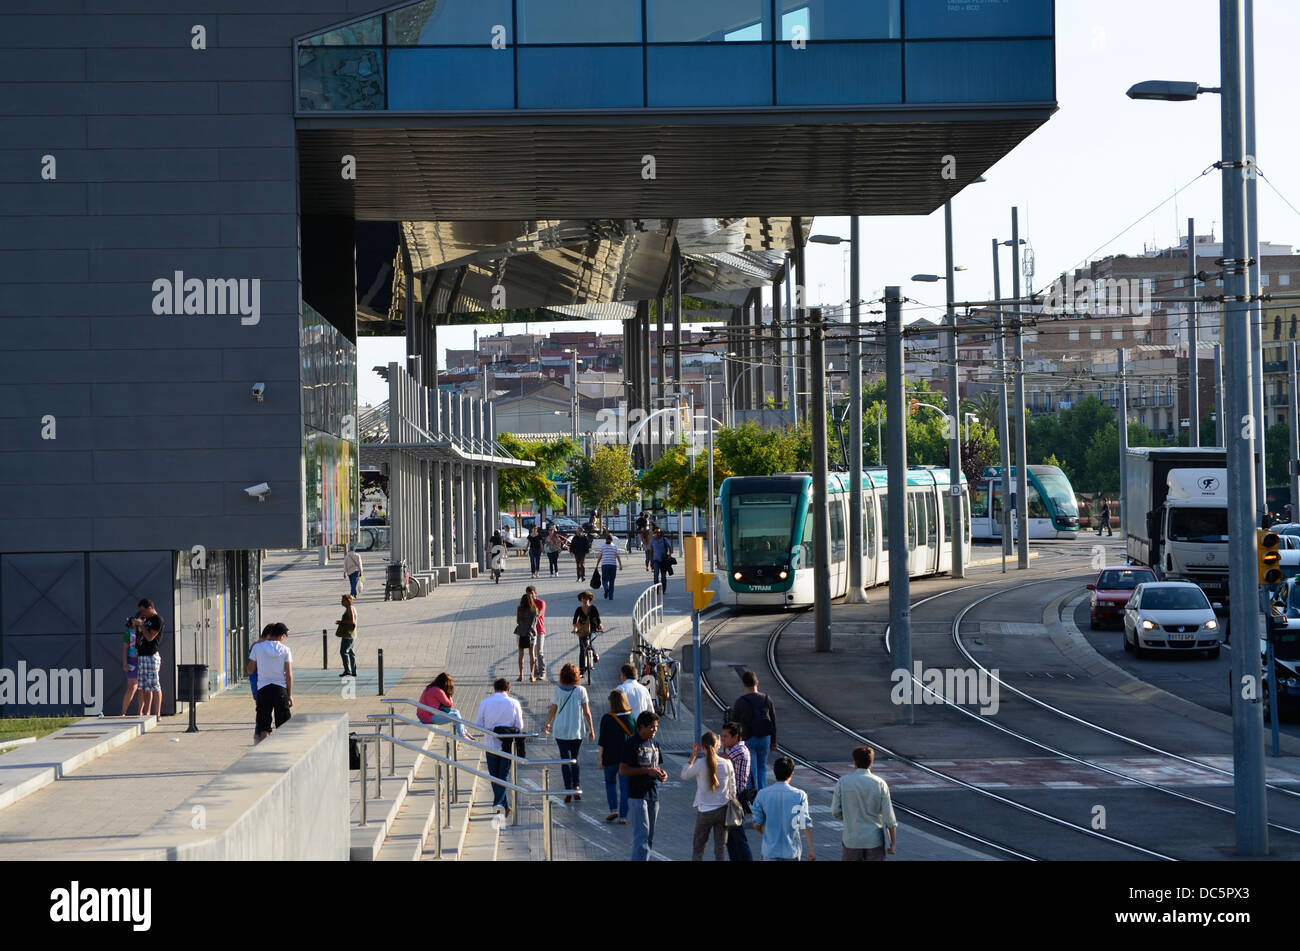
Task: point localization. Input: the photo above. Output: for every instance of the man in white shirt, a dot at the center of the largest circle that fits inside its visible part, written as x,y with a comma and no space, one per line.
272,661
502,713
638,698
353,570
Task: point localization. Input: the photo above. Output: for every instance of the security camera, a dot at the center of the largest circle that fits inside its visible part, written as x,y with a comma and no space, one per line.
259,491
258,390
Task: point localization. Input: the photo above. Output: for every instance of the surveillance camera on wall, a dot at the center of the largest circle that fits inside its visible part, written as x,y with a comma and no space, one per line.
258,390
259,491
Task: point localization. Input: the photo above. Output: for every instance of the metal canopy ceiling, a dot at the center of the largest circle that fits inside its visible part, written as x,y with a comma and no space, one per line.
877,161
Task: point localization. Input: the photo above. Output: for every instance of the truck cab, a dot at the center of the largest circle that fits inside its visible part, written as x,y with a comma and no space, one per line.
1194,530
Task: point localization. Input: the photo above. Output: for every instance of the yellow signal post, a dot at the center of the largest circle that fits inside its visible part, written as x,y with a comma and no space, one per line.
1268,556
697,581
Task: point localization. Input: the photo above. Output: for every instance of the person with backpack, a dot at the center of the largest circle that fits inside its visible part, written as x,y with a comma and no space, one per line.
757,718
569,708
616,728
578,547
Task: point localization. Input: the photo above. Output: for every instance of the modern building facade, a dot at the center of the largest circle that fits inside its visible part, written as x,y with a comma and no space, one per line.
182,185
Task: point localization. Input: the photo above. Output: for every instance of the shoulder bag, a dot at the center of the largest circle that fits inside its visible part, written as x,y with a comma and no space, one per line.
595,578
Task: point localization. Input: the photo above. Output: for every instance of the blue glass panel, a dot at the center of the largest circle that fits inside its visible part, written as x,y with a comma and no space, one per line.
828,74
426,80
580,77
945,19
738,75
450,23
579,21
693,21
332,78
840,19
980,71
366,33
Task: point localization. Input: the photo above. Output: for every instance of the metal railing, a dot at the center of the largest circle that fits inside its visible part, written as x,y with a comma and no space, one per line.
647,614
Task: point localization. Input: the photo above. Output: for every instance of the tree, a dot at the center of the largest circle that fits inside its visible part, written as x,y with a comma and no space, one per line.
1101,468
751,450
986,407
979,452
605,479
684,487
519,487
1277,454
927,431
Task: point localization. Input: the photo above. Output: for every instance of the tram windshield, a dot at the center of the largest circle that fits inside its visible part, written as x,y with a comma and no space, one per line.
1057,488
762,526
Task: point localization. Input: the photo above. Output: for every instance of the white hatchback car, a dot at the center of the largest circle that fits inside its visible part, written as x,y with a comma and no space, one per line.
1168,616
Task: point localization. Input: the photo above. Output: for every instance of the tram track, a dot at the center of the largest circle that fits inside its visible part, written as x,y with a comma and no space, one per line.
1044,823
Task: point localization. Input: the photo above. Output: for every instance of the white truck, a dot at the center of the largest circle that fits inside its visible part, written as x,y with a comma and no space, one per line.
1176,516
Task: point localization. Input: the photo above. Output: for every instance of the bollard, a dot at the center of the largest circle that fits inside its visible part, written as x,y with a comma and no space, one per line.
324,649
363,782
381,672
546,813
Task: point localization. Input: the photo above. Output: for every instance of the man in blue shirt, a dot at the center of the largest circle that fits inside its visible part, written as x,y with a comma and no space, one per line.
641,765
781,814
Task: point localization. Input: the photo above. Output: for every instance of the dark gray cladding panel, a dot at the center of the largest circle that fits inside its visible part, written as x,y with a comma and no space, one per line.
49,468
38,231
42,594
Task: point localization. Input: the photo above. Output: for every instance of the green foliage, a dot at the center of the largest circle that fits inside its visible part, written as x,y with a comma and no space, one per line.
927,431
980,451
1207,431
1069,435
683,487
605,479
1101,459
985,406
751,450
519,487
1277,454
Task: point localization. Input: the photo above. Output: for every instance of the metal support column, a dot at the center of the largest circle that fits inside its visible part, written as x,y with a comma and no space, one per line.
675,280
1123,430
1255,315
900,612
856,531
1004,423
1193,337
1022,463
821,509
792,398
1293,414
955,500
801,319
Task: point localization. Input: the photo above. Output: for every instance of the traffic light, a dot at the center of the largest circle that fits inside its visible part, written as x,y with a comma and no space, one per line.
697,581
1268,556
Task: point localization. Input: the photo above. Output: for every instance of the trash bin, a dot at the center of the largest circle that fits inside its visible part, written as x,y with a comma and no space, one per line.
192,673
395,581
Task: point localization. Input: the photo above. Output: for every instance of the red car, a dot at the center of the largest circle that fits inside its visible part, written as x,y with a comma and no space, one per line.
1111,591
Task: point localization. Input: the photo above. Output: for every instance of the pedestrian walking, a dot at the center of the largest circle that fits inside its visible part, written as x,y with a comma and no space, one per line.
610,562
149,628
757,718
497,557
501,714
737,844
347,634
640,764
1105,517
539,643
662,549
861,801
353,570
554,545
586,624
526,633
438,695
252,679
272,661
647,539
616,728
638,697
780,813
535,551
578,548
569,710
715,787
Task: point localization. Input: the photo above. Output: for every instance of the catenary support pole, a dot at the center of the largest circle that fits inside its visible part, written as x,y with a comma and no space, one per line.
955,499
855,593
1293,414
1252,268
821,509
1004,426
900,612
1193,338
1122,428
1240,430
1022,461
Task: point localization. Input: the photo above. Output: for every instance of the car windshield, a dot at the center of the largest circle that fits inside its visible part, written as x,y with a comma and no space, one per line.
1123,580
1198,525
1057,488
762,525
1174,599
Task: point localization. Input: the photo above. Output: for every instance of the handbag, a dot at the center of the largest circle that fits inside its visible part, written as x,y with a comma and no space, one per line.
361,585
595,578
735,814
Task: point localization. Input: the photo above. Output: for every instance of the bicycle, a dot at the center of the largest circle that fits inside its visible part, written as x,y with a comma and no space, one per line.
587,653
660,677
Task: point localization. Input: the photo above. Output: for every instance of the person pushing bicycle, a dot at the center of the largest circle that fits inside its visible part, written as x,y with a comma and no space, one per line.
586,624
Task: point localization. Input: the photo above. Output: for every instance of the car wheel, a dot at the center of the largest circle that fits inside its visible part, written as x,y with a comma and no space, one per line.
1213,653
1139,651
1127,645
1092,623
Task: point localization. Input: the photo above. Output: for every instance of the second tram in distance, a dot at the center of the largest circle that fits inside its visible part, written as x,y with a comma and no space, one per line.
767,533
1053,511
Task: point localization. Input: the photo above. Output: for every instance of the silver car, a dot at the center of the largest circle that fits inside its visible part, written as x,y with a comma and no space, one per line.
1169,616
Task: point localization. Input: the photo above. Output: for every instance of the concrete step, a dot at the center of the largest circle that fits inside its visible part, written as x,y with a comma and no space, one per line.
482,823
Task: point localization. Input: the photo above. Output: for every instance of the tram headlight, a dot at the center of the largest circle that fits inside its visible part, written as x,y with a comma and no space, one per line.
736,576
783,575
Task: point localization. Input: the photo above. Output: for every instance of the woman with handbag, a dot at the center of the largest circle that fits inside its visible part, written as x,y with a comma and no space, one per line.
569,708
526,633
347,634
586,624
615,728
715,789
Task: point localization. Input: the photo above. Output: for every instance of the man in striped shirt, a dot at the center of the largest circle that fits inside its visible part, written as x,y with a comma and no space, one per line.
737,845
610,562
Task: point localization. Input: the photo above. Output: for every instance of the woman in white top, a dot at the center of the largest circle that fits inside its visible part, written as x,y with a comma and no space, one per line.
610,562
715,786
569,710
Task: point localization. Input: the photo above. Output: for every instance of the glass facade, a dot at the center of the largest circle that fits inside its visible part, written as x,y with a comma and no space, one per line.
329,407
539,55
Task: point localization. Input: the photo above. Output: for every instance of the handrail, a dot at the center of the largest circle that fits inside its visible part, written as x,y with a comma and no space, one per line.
447,763
451,719
649,607
461,739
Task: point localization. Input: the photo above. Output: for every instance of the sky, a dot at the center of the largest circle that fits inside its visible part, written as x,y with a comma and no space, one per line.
1081,181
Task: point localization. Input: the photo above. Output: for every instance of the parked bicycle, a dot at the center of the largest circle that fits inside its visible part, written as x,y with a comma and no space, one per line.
659,674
